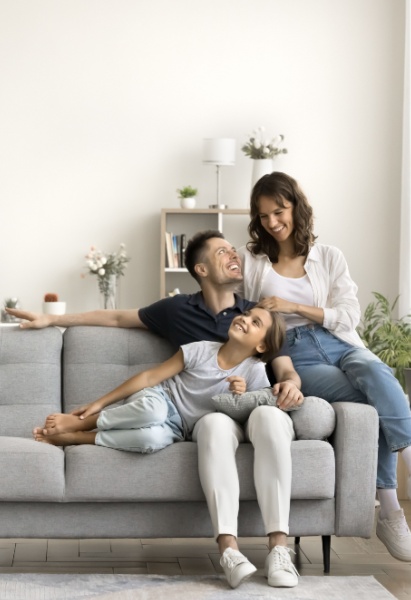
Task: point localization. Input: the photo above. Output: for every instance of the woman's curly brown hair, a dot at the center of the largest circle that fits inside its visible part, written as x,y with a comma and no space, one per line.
280,187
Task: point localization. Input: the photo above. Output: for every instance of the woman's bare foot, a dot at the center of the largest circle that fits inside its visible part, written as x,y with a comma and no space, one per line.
62,423
66,439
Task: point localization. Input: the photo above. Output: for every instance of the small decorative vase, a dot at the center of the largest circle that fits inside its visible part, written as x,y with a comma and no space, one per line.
108,291
261,166
188,202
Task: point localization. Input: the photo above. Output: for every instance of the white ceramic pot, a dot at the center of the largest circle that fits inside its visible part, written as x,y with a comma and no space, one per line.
54,308
188,202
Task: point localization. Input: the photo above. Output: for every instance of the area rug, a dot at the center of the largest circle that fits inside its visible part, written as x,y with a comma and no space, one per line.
158,587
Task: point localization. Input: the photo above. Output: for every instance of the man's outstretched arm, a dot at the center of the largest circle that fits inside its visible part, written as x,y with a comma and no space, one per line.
104,318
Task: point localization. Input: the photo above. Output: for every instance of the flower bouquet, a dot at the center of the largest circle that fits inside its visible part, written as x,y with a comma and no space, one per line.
108,268
258,146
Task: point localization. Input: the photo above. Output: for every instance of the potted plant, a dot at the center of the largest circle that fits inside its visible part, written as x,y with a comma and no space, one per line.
52,306
9,303
389,338
187,196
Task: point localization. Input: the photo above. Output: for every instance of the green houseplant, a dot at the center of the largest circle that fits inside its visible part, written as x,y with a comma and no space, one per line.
187,196
387,337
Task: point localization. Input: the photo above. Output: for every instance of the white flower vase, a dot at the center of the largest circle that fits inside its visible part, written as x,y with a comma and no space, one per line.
108,292
261,166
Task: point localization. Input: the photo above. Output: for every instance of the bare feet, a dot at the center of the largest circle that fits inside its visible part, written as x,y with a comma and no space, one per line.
66,439
62,423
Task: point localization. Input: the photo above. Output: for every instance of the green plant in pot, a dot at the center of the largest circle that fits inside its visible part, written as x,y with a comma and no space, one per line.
187,196
387,337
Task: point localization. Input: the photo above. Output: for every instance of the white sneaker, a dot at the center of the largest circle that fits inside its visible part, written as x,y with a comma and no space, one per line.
279,569
395,535
237,567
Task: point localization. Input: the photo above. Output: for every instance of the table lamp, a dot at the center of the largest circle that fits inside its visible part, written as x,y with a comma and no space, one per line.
221,153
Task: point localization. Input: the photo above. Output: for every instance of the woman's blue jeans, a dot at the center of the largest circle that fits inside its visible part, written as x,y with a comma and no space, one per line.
337,371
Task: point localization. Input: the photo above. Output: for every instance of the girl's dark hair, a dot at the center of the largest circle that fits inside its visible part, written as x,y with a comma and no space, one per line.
196,247
279,187
275,336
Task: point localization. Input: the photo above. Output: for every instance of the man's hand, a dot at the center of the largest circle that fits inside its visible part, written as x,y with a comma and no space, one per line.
237,384
31,320
288,395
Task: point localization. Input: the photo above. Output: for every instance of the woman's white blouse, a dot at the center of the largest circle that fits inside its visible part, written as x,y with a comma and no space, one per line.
333,288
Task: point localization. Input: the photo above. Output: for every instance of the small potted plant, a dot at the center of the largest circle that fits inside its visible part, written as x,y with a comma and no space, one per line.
52,306
9,303
187,196
388,338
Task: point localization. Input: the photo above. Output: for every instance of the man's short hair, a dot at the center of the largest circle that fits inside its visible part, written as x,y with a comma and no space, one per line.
195,249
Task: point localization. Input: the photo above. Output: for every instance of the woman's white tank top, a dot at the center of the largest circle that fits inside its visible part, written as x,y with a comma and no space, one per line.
295,290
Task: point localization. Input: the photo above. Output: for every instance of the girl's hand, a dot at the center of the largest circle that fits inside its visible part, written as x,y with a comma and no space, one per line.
279,305
238,384
88,409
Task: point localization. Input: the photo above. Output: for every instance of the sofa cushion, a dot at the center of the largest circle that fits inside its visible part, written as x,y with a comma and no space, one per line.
98,359
30,378
315,420
240,406
95,473
30,471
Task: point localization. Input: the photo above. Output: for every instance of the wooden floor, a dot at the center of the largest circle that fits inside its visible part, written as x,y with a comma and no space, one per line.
349,556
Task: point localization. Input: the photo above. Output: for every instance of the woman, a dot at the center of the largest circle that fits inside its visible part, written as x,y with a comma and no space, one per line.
173,400
311,286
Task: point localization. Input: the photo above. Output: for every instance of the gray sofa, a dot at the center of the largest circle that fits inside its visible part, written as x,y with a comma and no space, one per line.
96,492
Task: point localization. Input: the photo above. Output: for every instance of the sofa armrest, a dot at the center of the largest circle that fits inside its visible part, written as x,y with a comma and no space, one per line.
355,442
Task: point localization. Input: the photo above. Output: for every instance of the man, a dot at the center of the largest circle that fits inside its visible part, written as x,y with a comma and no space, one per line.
186,318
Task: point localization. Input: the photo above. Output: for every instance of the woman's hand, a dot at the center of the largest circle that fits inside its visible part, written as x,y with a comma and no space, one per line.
238,384
277,304
288,395
88,409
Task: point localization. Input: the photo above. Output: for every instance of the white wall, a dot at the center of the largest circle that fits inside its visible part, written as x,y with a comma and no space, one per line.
104,105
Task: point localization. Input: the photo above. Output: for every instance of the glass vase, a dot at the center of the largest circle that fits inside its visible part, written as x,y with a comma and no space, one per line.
108,292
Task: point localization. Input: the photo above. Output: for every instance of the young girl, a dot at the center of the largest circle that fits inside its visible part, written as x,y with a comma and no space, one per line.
310,285
172,402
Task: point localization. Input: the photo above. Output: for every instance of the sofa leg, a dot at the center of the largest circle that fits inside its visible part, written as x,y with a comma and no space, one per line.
326,552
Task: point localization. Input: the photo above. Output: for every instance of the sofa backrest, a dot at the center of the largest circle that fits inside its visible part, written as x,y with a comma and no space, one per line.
30,378
98,359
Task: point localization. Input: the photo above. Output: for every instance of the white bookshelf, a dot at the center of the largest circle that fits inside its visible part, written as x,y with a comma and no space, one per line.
233,222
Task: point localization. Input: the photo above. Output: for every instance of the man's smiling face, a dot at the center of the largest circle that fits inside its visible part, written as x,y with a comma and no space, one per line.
222,262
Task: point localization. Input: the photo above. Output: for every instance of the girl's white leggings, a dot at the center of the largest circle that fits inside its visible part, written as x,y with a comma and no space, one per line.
270,430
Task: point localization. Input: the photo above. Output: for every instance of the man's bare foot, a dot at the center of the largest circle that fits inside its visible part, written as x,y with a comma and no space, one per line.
61,423
66,439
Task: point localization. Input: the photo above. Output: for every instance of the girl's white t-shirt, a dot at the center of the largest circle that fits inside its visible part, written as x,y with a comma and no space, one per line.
202,378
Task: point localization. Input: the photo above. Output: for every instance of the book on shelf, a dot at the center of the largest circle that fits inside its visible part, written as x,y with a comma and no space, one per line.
169,250
175,250
183,244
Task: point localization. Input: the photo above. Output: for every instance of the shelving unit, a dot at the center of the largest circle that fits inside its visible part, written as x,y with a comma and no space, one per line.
232,222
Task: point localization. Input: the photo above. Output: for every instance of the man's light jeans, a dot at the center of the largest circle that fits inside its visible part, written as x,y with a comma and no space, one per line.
337,371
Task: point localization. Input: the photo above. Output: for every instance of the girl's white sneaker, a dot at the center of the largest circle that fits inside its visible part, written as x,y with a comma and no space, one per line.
279,569
237,567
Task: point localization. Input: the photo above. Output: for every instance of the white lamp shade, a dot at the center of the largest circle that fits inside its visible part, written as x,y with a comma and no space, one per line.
219,151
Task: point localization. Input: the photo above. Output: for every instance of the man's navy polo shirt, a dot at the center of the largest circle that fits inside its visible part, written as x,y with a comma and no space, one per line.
184,318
